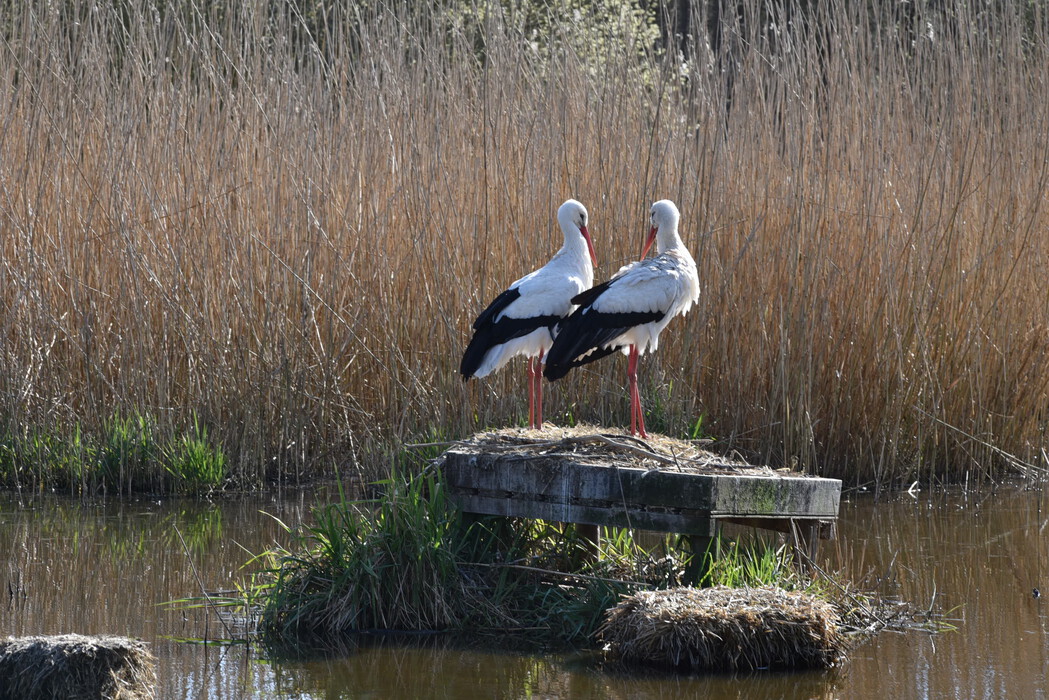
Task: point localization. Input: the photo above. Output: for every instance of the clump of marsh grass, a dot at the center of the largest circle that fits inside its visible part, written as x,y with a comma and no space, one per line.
127,449
740,562
390,564
193,462
129,454
76,666
406,561
725,629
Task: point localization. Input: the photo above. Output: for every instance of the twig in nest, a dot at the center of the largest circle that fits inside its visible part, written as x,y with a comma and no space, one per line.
420,445
562,574
621,446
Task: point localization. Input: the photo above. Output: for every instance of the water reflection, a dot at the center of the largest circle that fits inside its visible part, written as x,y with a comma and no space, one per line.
980,556
450,672
94,568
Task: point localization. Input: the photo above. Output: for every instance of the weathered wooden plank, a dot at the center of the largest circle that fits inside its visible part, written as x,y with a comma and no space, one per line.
825,528
684,523
569,489
775,496
562,479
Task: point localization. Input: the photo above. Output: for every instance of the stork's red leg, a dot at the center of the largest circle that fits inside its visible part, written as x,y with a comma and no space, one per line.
640,413
539,390
531,394
637,419
631,374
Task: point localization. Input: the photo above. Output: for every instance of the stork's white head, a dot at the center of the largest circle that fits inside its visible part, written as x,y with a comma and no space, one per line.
573,219
665,218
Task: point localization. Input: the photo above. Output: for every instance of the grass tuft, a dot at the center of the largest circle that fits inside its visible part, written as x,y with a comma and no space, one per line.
128,455
408,562
193,462
370,565
126,452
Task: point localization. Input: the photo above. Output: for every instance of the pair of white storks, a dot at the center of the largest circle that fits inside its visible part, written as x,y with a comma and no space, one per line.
556,312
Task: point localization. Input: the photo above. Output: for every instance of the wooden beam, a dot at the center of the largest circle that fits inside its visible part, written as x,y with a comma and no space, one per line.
567,489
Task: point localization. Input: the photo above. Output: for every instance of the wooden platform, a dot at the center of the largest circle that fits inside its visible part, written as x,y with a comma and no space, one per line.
646,488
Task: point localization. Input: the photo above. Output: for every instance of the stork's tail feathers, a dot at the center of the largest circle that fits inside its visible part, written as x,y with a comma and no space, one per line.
475,353
556,370
576,344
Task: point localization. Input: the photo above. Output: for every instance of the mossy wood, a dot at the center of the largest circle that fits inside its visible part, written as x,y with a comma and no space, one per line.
555,487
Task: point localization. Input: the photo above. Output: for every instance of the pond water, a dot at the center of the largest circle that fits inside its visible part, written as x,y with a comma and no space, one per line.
96,568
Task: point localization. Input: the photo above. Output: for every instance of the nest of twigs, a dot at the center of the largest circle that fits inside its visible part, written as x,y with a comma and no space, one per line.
595,445
75,667
724,629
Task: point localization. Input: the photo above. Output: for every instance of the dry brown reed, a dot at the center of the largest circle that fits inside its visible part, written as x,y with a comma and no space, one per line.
724,629
76,667
286,222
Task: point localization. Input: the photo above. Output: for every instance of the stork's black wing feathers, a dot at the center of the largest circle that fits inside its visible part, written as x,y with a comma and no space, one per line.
489,332
585,299
581,338
555,371
497,306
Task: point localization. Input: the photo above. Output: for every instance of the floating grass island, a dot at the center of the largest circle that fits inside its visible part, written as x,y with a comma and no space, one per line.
409,560
76,666
725,629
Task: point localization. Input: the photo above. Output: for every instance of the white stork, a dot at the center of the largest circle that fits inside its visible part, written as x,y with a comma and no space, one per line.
521,320
628,311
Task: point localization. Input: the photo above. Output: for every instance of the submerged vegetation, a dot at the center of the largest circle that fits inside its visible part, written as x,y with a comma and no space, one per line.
274,221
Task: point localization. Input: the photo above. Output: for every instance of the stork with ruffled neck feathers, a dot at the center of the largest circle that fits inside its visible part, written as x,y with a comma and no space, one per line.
629,311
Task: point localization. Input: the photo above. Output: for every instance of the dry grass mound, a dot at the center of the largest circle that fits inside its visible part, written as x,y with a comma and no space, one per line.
724,629
75,667
595,444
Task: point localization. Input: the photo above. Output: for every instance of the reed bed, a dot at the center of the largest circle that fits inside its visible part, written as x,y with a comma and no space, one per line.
279,219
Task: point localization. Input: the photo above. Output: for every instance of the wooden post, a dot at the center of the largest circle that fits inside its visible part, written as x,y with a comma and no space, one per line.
591,536
805,542
704,549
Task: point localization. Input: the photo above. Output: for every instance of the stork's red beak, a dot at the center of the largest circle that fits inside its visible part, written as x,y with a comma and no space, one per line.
589,244
648,243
